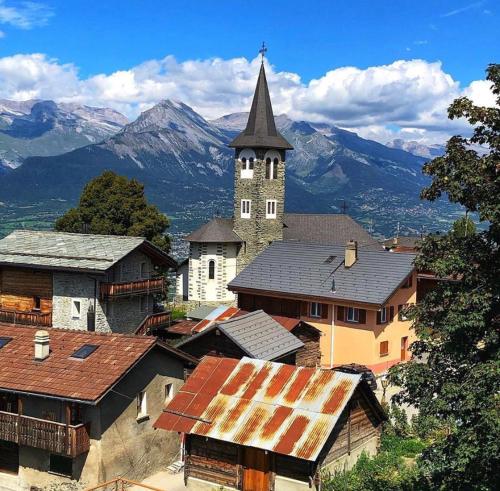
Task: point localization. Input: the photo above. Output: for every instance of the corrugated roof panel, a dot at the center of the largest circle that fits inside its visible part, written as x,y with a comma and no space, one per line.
280,408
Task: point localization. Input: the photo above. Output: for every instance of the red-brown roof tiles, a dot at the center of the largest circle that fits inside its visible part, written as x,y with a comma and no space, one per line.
62,376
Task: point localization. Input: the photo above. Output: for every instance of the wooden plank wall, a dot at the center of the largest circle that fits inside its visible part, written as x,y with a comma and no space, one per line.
19,287
310,354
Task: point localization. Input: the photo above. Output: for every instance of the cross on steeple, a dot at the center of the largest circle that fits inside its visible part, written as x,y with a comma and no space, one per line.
263,51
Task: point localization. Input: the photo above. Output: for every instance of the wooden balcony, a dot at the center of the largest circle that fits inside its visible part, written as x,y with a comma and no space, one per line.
151,323
139,287
33,318
70,440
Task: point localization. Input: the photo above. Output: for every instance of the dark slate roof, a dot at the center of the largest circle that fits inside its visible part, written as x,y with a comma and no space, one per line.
73,252
261,130
317,270
257,334
216,230
326,229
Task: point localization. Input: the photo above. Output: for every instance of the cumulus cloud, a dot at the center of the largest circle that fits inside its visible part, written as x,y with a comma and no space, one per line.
405,99
25,15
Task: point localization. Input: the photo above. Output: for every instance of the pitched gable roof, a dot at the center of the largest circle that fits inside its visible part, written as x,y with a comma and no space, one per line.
316,270
256,333
280,408
73,252
216,230
261,129
65,377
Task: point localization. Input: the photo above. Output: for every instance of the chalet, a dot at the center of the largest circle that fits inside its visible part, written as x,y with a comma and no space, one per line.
256,335
221,248
80,405
259,425
355,296
80,281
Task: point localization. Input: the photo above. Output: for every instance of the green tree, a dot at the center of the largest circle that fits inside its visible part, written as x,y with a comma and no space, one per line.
455,375
464,226
114,205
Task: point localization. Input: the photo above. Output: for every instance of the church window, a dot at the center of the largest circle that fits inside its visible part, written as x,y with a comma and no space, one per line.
211,269
247,159
268,168
272,160
246,208
271,208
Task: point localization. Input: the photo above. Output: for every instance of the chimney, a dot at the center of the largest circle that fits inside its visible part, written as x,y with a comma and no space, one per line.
351,253
42,348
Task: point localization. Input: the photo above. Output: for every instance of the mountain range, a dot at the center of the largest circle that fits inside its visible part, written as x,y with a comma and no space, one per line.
187,168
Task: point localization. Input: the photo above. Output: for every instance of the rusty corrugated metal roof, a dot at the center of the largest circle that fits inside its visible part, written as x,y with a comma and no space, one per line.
219,314
281,408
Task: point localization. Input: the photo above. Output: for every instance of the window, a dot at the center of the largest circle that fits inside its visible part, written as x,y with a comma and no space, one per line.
144,272
37,303
382,316
76,309
85,351
272,159
271,208
247,159
315,309
211,269
384,348
352,314
143,303
142,405
62,465
246,208
169,392
4,340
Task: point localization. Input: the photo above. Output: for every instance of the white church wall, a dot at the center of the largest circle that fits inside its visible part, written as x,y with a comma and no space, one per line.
202,288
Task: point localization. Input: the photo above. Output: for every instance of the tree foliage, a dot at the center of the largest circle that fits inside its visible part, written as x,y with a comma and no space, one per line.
458,322
114,205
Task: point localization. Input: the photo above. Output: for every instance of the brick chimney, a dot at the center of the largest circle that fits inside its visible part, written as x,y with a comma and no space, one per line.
42,348
351,253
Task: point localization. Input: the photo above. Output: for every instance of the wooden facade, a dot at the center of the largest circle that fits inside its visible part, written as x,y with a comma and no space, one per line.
310,354
241,467
138,287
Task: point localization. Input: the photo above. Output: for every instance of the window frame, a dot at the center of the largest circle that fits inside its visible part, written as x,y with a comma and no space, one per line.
142,405
355,316
247,159
275,206
315,310
383,315
76,314
386,351
169,392
244,214
211,269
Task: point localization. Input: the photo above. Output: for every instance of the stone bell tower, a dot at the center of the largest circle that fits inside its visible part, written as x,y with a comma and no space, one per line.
259,177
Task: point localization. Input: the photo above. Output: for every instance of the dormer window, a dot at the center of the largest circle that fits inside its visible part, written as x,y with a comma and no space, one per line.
247,160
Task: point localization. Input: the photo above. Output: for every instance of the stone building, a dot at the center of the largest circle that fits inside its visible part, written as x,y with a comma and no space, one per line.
79,406
81,281
222,248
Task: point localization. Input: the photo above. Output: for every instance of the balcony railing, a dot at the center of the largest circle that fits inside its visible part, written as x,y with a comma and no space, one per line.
160,320
70,440
139,287
26,318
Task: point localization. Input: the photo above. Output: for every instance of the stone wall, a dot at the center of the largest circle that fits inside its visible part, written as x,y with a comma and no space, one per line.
258,231
203,289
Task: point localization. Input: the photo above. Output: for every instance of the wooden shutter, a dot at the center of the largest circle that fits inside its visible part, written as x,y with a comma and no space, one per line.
379,317
391,313
324,310
362,316
340,313
303,309
384,348
400,308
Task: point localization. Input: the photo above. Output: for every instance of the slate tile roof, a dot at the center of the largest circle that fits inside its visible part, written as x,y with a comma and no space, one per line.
216,230
65,377
66,251
317,270
280,408
257,334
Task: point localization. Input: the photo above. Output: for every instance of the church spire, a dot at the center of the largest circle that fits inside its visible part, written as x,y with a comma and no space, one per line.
261,130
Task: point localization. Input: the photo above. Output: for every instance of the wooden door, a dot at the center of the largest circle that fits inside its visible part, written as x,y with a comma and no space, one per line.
255,470
404,347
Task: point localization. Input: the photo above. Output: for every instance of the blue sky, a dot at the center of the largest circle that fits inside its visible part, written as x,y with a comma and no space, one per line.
88,41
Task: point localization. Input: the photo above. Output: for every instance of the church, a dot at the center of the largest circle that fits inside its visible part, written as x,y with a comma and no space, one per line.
223,247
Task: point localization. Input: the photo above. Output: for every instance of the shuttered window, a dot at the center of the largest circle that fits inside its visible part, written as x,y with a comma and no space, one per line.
382,315
384,348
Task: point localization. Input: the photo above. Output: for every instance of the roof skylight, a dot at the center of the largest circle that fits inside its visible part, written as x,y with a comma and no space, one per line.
4,340
85,351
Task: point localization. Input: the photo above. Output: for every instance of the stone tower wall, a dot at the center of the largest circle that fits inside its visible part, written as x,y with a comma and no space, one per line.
258,231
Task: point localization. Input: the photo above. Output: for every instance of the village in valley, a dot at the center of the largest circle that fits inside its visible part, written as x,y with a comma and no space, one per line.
265,350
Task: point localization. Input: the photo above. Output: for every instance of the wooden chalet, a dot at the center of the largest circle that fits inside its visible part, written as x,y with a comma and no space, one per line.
259,425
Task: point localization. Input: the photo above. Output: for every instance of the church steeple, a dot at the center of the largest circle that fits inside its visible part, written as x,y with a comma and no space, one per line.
261,131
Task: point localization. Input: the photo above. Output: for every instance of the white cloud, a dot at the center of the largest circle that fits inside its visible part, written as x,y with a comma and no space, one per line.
24,15
405,99
463,9
2,34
